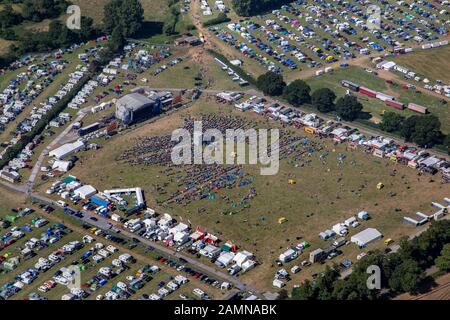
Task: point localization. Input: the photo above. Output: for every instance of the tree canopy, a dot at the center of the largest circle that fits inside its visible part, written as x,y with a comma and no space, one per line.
443,261
423,130
128,15
8,17
323,100
38,10
348,108
391,122
297,93
447,143
271,84
407,277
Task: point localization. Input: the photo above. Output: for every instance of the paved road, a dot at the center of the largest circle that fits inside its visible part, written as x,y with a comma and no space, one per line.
31,180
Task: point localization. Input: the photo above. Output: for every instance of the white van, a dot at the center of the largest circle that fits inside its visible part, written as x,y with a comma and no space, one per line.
61,203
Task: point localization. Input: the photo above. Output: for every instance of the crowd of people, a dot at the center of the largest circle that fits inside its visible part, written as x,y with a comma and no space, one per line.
189,183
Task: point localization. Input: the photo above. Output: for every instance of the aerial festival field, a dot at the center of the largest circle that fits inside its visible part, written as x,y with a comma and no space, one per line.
318,185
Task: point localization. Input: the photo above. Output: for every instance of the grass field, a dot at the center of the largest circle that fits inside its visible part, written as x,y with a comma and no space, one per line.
4,46
325,194
154,10
155,14
374,106
183,75
432,63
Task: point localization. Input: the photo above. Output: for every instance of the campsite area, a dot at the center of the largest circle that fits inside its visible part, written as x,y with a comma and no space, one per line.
346,187
72,230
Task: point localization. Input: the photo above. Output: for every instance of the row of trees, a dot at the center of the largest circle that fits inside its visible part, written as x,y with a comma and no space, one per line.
32,10
298,93
424,130
401,272
120,16
57,36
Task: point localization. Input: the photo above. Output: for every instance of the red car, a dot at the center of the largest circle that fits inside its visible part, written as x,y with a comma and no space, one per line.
197,275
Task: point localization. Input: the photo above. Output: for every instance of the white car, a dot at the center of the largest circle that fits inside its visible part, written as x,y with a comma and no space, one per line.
61,203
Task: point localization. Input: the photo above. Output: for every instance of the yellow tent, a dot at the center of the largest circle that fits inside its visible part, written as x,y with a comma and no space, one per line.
292,181
282,220
380,186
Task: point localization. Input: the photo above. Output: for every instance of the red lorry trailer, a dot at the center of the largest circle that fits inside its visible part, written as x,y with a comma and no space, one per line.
367,92
417,108
395,104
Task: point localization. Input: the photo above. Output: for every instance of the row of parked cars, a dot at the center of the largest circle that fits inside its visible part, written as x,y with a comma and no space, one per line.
298,29
180,265
43,264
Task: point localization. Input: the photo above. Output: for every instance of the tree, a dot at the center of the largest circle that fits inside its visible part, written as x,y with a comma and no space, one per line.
271,84
348,108
323,100
245,7
105,55
423,130
427,131
117,39
126,14
8,17
407,277
443,261
391,122
305,292
297,93
447,143
38,10
325,283
87,31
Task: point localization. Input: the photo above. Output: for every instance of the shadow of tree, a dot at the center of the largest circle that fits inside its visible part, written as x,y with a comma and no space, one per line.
149,29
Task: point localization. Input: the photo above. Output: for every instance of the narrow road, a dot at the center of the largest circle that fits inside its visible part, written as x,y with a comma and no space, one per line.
106,225
138,256
31,180
388,75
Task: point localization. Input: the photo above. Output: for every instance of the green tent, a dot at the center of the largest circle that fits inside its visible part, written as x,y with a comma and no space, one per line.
10,218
